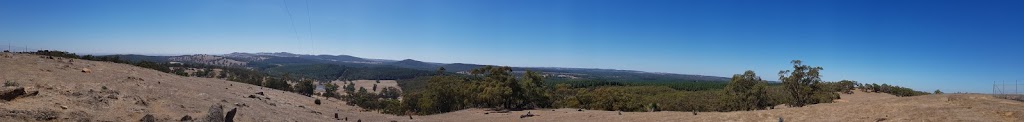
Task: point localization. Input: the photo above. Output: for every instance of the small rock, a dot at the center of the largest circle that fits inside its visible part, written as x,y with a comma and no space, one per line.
186,118
148,118
86,70
63,107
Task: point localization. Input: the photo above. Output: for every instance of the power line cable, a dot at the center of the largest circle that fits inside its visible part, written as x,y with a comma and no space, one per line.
309,23
297,38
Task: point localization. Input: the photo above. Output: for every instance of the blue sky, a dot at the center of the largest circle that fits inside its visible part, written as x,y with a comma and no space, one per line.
922,44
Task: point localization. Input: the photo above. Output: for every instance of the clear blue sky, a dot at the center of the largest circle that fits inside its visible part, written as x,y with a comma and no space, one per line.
923,44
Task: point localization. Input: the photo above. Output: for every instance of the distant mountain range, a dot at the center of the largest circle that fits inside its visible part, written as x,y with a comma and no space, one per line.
283,62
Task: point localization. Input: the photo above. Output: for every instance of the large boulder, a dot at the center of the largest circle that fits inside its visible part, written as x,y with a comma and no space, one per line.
216,113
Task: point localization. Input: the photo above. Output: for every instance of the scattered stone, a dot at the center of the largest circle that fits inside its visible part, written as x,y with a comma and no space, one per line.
317,101
141,102
336,116
30,93
528,114
148,118
231,115
186,118
260,93
86,70
579,109
112,97
63,107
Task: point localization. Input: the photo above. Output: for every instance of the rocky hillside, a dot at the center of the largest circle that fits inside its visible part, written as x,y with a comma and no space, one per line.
56,89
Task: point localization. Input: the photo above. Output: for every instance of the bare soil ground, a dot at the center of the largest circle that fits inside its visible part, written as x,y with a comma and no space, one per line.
68,94
857,107
132,92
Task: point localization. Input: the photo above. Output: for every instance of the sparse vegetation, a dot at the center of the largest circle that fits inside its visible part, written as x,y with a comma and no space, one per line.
10,83
891,89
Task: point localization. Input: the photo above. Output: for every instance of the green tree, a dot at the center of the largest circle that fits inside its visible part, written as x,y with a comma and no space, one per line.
390,93
331,90
846,86
747,91
498,86
305,87
534,94
350,88
802,83
937,92
279,84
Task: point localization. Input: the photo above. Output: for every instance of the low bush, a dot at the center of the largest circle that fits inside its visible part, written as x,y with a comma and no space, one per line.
10,83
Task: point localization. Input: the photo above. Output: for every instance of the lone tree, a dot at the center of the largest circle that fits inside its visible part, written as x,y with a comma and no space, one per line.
801,82
747,91
938,92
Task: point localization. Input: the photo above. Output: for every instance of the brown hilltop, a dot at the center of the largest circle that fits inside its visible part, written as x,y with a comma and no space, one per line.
132,92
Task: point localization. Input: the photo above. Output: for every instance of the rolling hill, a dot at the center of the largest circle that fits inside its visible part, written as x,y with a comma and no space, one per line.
283,62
